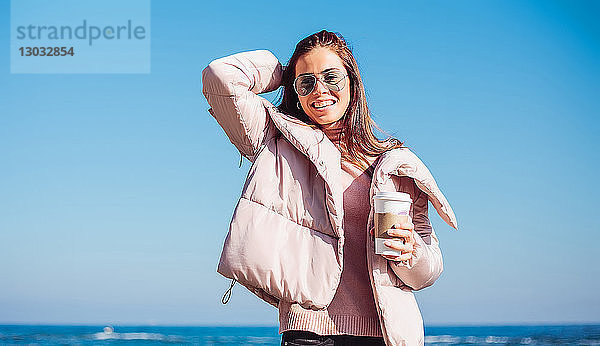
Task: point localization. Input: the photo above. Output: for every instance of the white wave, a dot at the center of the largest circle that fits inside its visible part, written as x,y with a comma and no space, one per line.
445,339
129,336
496,339
108,334
474,340
262,340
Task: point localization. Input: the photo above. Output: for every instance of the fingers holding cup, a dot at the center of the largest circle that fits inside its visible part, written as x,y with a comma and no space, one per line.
407,235
403,257
393,224
399,245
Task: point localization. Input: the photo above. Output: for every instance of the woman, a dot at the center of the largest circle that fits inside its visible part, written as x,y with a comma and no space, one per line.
301,234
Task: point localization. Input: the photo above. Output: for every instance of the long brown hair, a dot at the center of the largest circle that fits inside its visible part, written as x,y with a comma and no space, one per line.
356,138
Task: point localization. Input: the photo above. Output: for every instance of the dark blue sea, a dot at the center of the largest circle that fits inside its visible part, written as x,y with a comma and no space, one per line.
154,335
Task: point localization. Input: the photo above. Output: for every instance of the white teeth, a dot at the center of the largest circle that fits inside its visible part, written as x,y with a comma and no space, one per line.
323,104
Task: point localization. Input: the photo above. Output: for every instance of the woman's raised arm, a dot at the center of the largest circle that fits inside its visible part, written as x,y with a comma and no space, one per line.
231,85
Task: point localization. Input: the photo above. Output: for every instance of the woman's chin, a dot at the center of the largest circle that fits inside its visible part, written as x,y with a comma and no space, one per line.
325,118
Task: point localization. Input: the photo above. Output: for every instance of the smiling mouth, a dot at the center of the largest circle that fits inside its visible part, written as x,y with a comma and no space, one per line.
321,105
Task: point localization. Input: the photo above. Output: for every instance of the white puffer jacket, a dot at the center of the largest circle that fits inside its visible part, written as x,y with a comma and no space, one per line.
285,239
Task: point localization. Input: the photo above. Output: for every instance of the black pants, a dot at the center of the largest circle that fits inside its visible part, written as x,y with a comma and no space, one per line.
296,337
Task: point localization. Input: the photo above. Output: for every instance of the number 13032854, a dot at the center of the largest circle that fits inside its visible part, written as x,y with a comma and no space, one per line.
46,51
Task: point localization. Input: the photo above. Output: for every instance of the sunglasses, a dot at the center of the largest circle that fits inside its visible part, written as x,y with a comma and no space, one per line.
333,79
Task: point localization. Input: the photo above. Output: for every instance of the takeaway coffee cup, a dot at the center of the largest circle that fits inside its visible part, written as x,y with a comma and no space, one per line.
390,208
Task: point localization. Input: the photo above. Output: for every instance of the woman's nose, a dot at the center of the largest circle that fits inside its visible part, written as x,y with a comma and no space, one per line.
320,87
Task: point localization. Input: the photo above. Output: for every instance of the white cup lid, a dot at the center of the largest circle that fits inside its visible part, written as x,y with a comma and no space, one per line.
395,196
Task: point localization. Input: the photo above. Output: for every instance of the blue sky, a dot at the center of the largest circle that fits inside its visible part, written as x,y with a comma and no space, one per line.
116,190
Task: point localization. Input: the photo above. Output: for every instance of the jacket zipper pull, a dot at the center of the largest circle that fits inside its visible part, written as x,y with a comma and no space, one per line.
227,294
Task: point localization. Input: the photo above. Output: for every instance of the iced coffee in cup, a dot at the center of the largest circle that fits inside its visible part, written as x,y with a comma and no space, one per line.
390,208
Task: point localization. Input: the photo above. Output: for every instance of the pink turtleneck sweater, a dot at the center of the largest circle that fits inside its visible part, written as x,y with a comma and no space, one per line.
352,310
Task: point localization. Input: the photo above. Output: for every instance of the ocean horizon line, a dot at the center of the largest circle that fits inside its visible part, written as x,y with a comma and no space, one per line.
169,325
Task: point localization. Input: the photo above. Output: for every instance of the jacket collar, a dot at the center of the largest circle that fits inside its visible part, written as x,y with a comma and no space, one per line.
403,162
324,155
315,145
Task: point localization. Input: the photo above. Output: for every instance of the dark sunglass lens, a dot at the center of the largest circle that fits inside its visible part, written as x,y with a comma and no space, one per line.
333,77
304,85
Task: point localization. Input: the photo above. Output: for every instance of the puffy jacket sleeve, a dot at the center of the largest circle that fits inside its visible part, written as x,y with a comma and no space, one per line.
427,265
231,85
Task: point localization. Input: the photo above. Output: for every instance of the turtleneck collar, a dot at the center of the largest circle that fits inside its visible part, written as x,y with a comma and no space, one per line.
333,132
